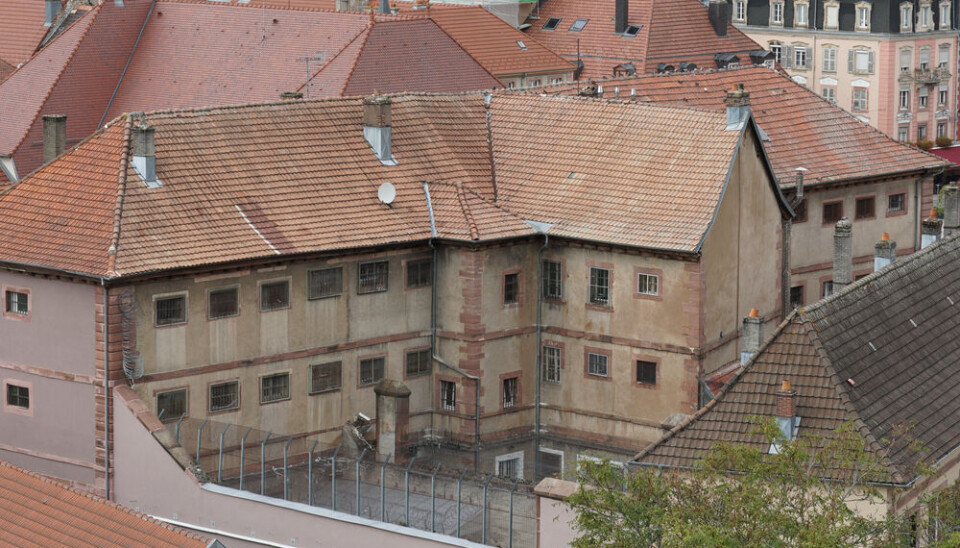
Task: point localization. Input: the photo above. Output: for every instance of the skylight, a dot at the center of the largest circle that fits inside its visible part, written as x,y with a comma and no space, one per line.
551,23
522,45
632,30
578,25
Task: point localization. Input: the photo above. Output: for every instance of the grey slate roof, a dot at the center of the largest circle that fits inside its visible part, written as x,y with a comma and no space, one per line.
910,376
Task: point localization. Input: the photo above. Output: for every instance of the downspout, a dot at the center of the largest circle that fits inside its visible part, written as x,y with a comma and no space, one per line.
433,292
536,413
106,388
476,434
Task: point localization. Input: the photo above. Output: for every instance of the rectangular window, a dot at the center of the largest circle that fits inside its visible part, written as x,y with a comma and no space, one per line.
225,396
274,295
921,132
510,466
862,62
552,364
326,282
599,286
223,303
740,11
827,289
551,463
830,94
865,208
171,405
597,364
896,202
448,395
777,50
511,288
903,133
944,16
371,370
830,59
552,280
325,377
372,277
800,57
942,95
925,18
906,17
863,18
941,129
904,99
418,362
860,99
905,58
275,387
648,284
924,58
796,296
832,212
169,310
646,372
510,392
17,303
419,273
801,18
922,95
833,17
776,13
18,396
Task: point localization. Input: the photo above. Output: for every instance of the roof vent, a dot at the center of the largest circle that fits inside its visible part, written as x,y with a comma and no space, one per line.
664,67
686,67
144,156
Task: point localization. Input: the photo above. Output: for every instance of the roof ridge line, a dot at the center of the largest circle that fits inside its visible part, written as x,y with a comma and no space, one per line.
367,30
464,50
121,192
251,5
335,55
474,231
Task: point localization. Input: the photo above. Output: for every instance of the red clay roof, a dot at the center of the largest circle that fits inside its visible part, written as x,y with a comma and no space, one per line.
671,31
21,29
38,512
950,154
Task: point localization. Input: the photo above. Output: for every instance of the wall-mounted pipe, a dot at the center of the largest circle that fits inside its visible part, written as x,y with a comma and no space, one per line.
476,420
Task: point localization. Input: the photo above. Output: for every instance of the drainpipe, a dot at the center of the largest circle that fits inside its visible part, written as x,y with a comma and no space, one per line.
433,292
476,421
536,425
106,388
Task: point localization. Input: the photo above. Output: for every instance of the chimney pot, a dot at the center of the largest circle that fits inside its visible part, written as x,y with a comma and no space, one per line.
752,336
738,107
787,410
885,252
930,231
54,136
951,210
842,254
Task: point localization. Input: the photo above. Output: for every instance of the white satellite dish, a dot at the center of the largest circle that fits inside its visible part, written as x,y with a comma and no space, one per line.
387,193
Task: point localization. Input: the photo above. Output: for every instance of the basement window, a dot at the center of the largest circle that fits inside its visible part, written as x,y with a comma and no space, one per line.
170,310
325,377
551,24
578,25
632,30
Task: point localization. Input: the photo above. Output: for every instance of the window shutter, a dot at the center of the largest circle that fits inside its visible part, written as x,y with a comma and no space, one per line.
850,61
810,64
786,56
870,63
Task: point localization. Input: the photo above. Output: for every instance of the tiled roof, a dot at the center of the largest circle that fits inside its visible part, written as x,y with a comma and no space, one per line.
950,154
804,129
883,352
671,31
37,512
251,182
21,29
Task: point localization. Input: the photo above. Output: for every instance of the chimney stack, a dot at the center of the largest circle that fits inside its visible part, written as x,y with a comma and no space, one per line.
54,136
738,107
719,16
951,210
393,419
930,230
384,7
884,253
842,254
144,155
752,336
52,8
787,411
376,127
622,8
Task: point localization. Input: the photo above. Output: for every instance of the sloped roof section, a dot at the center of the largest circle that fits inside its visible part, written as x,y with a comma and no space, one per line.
35,511
21,29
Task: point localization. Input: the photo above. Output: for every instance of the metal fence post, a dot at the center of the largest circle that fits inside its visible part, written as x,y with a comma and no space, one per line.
200,433
310,473
160,415
459,499
220,459
243,443
512,490
406,483
286,483
263,460
176,432
483,523
433,499
333,477
383,488
360,458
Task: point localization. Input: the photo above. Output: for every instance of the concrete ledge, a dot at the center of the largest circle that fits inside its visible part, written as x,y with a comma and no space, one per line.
556,489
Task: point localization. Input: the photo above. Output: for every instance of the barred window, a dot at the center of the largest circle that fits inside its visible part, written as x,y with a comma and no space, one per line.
551,364
275,387
18,396
597,365
171,405
648,284
419,273
224,396
171,310
511,288
17,302
325,377
509,392
599,286
865,207
832,212
223,303
448,395
552,280
327,282
371,370
274,295
418,362
373,277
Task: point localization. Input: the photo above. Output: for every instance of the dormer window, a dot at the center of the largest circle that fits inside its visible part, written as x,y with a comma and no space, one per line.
863,16
740,11
831,17
944,15
906,17
925,17
801,11
776,13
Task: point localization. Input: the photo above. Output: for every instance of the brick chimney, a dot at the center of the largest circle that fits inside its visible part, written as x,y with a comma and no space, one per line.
144,154
52,9
622,8
752,336
842,254
738,107
787,411
884,253
719,16
376,127
951,210
54,136
930,231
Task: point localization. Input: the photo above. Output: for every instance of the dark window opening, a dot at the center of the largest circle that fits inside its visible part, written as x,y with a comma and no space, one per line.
418,362
17,303
832,212
327,282
511,288
274,295
225,396
551,23
796,296
599,286
171,310
632,30
275,387
371,370
420,273
895,202
171,405
448,395
18,396
865,207
646,372
509,392
223,303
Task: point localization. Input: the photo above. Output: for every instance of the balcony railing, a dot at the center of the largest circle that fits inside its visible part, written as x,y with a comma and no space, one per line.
925,76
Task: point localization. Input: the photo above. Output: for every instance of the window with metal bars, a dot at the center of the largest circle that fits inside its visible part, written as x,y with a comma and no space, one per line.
170,310
509,392
511,288
18,396
832,212
225,396
865,207
448,395
371,370
552,280
223,303
326,282
171,405
274,387
17,302
274,295
325,377
599,286
551,364
372,277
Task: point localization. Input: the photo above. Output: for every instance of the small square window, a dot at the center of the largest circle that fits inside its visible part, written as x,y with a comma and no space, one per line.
18,396
170,310
418,362
552,279
551,23
274,295
552,357
223,303
509,392
326,282
225,396
371,370
419,273
648,284
597,364
17,303
578,25
632,30
646,372
511,288
373,277
325,377
796,296
448,395
865,207
275,387
172,405
832,212
510,466
895,202
599,286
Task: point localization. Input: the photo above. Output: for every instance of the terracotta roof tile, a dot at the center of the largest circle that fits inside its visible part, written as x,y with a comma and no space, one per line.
38,512
21,29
